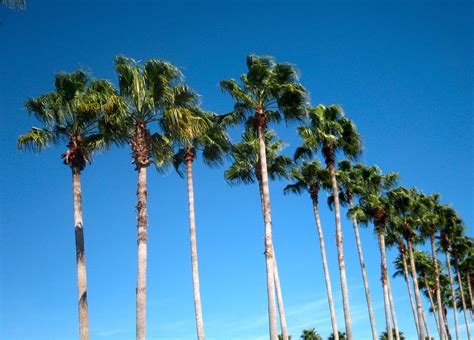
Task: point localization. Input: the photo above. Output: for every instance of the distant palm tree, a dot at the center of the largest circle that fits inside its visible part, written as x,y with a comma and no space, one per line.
214,144
310,334
152,94
267,93
374,206
384,335
331,132
310,177
245,169
71,114
340,336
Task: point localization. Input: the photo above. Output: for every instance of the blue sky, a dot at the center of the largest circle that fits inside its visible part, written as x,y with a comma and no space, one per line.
401,70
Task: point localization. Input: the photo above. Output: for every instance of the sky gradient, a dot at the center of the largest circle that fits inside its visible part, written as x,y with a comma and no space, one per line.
401,70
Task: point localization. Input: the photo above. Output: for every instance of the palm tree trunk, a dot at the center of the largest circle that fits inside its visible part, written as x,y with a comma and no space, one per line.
142,254
281,306
80,256
425,322
326,270
463,301
268,237
453,295
194,256
433,306
469,288
419,306
381,238
392,306
410,294
445,320
437,289
364,275
340,253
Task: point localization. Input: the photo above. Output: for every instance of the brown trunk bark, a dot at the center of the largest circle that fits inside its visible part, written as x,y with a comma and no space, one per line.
392,306
142,254
453,295
419,306
381,239
268,237
364,275
469,288
445,320
410,294
194,255
463,301
326,270
438,292
80,257
340,252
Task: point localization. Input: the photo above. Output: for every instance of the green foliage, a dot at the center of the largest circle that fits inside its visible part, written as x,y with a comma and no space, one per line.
330,131
271,87
342,336
384,335
310,334
308,177
245,155
72,112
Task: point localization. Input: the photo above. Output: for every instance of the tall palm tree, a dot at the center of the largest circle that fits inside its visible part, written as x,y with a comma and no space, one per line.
310,334
310,177
152,95
352,180
339,335
267,93
245,169
404,229
374,206
450,229
71,114
429,221
461,247
214,144
331,132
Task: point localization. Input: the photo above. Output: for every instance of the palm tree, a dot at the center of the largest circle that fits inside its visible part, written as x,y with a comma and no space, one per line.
460,248
151,93
403,225
310,334
331,132
266,93
339,335
351,180
310,177
71,114
213,143
245,169
385,336
374,206
450,229
429,222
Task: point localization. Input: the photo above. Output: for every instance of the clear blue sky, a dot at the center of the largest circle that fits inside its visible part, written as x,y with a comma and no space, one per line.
402,70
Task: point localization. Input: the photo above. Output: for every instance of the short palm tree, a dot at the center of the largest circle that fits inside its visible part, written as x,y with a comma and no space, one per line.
71,114
152,95
310,177
384,335
213,143
310,334
246,169
331,132
374,206
267,93
340,336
